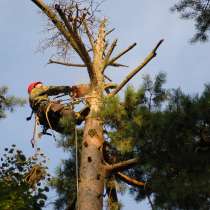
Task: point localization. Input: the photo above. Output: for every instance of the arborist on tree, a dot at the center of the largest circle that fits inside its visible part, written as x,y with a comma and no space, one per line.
51,114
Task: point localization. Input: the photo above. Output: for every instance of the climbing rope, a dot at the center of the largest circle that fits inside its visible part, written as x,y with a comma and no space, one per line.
76,164
48,121
35,134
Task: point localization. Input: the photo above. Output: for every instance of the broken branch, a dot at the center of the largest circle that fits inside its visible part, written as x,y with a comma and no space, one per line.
151,55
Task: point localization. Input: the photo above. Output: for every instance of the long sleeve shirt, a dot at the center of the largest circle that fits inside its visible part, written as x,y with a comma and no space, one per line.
40,94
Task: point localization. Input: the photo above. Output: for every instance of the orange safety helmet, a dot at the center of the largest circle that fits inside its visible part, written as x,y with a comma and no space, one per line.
32,85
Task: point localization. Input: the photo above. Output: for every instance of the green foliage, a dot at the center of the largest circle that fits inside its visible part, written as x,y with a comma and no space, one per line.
169,131
174,148
8,102
65,185
16,193
199,11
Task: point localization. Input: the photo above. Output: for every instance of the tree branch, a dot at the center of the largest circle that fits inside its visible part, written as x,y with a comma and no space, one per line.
75,43
122,53
73,65
121,165
53,17
90,37
129,180
113,45
66,64
76,38
118,65
109,32
151,55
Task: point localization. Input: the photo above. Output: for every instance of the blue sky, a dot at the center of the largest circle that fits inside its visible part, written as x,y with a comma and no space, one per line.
144,22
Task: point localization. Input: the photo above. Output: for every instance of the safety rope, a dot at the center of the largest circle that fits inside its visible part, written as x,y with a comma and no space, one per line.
48,121
35,135
76,164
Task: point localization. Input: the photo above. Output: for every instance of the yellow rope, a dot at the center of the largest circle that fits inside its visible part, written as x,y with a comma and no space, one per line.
48,121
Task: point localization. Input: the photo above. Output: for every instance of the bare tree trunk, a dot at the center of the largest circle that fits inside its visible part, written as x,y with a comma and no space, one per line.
91,183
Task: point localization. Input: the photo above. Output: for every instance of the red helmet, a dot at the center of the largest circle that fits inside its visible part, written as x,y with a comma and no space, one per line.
32,86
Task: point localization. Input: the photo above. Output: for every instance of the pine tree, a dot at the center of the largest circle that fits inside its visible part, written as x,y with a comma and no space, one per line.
22,181
75,29
8,103
199,12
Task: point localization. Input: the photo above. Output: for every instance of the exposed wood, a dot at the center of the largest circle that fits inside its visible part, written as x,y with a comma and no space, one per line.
129,180
150,56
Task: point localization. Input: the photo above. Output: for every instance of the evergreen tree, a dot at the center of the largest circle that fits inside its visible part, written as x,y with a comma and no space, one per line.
8,103
171,137
199,12
22,181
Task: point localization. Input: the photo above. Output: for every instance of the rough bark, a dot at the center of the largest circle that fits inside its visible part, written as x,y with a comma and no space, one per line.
91,183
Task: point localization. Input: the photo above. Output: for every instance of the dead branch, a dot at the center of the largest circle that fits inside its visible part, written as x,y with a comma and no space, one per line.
77,39
129,180
121,165
109,32
113,45
81,51
53,17
89,35
118,65
151,55
105,76
65,64
121,54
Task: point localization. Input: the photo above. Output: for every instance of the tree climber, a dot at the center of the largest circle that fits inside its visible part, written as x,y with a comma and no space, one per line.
51,114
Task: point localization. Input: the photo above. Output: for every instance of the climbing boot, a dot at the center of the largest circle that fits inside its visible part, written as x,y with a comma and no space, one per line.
80,116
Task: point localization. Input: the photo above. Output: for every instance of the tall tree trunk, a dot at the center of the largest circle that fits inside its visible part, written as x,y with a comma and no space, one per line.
91,183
